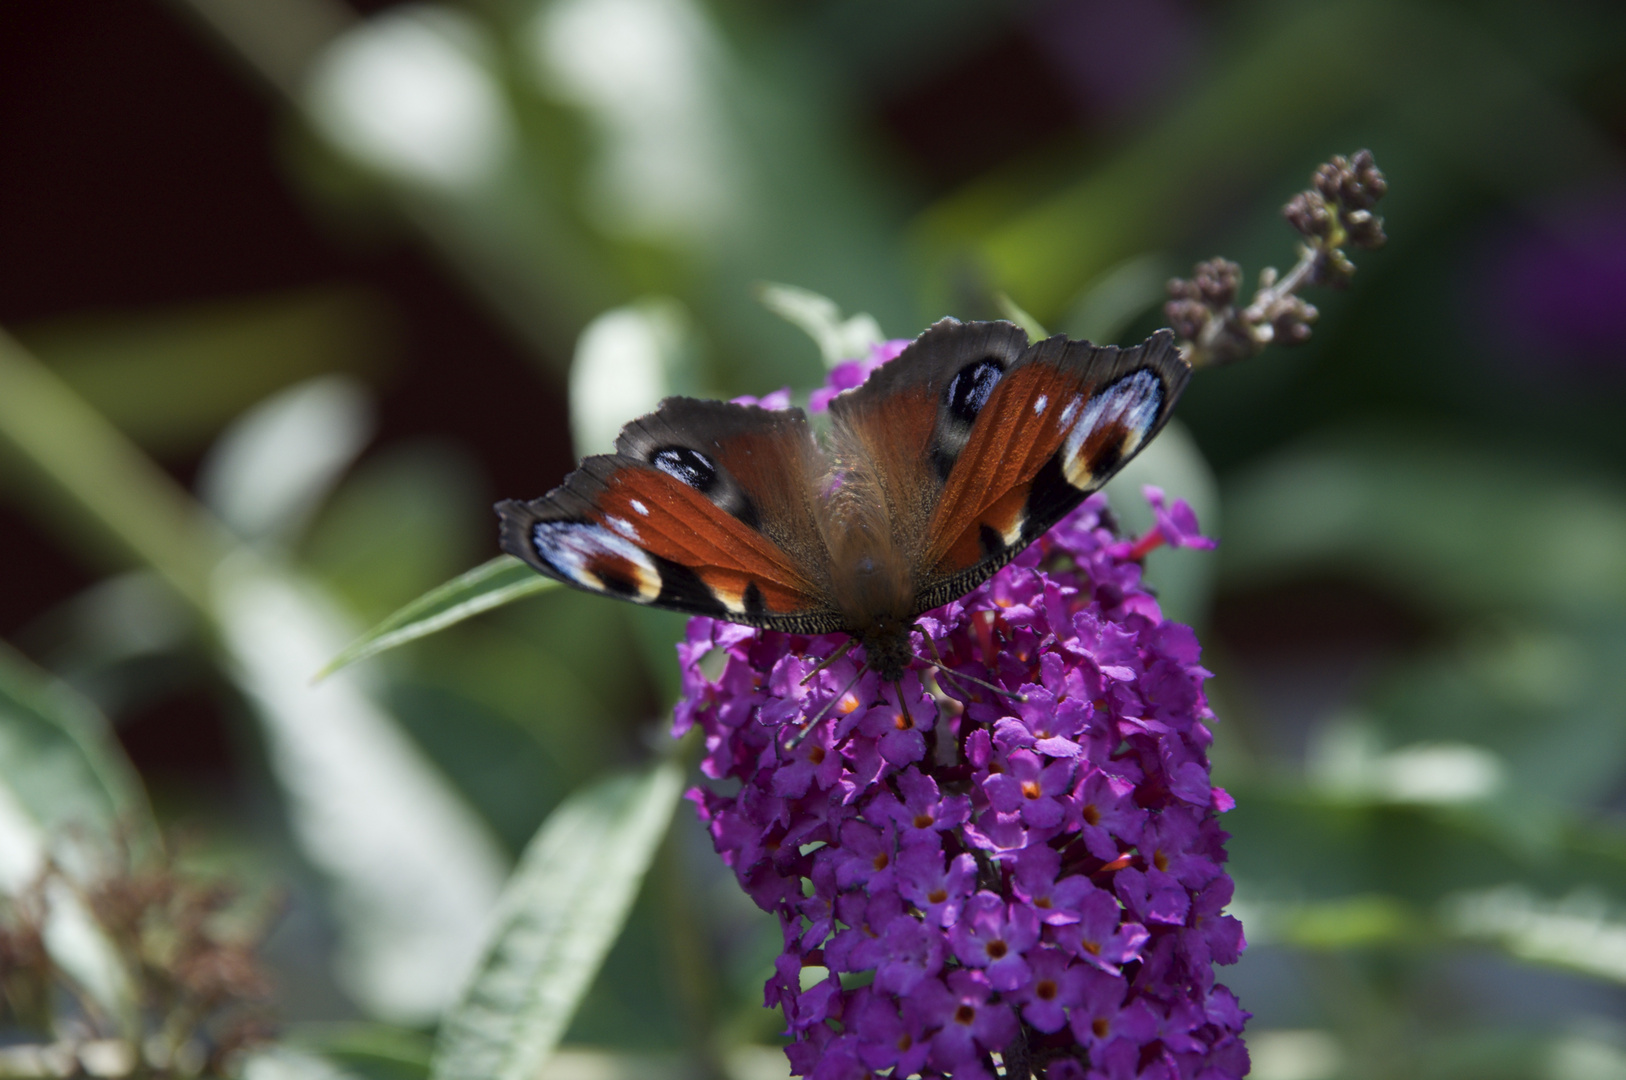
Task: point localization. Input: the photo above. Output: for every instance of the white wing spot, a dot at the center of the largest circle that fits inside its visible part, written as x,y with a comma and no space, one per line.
625,528
1038,406
1014,533
640,507
733,600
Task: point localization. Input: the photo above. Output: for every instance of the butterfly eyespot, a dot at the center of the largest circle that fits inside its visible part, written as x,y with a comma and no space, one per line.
970,388
1109,428
597,558
689,466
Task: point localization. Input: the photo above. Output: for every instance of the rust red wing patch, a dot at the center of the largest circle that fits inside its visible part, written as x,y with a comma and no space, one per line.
1020,428
741,567
1054,428
706,510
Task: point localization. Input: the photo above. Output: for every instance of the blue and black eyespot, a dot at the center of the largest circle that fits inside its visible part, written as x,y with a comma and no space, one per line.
690,466
971,387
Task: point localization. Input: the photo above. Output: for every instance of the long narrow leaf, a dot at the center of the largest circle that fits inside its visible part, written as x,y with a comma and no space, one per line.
489,585
558,918
86,465
414,869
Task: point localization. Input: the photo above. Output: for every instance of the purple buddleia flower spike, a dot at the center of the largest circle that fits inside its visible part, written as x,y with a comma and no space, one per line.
960,875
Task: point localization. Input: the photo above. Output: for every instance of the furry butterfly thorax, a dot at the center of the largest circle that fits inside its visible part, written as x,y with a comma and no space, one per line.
937,471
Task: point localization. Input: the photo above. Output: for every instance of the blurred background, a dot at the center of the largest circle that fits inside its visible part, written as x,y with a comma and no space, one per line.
298,288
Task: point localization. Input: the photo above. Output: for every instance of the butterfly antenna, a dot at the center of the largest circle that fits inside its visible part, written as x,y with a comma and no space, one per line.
796,739
937,662
828,660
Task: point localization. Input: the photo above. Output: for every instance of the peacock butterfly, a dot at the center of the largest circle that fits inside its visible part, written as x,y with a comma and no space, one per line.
936,472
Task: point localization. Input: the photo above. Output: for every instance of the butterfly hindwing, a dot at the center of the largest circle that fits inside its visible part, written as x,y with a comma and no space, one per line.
704,509
1057,425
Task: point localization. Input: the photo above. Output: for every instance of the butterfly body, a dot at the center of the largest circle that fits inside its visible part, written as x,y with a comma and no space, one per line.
938,471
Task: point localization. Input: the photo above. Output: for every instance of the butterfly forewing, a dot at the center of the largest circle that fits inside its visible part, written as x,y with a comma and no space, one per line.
1055,427
704,510
914,415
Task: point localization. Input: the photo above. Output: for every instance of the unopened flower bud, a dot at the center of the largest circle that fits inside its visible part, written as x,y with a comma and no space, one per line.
1309,214
1186,317
1291,322
1362,183
1218,280
1182,289
1364,229
1328,178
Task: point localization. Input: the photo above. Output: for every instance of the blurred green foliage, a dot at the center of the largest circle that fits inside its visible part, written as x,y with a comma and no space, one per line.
1417,614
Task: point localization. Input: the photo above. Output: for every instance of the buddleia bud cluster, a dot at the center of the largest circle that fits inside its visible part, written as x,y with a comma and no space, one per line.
1335,212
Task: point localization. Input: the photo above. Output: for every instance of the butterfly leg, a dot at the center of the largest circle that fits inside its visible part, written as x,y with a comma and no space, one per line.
937,662
828,660
809,725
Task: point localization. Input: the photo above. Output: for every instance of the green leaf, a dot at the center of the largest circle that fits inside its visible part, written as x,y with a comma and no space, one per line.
414,871
284,1062
560,914
59,759
1106,307
1460,527
490,585
838,339
1010,310
365,1051
626,361
159,377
